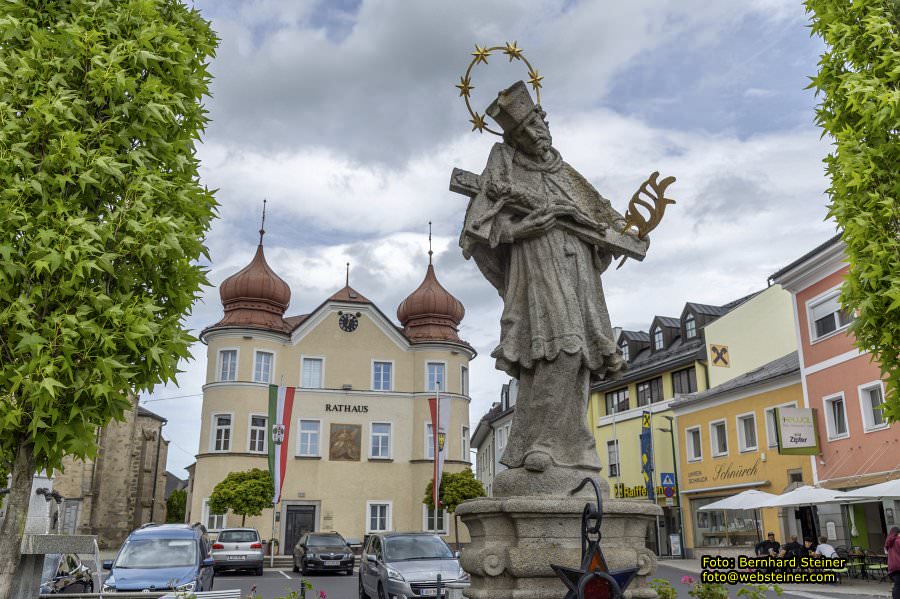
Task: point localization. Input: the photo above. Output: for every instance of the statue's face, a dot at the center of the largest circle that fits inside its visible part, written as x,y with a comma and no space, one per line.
533,137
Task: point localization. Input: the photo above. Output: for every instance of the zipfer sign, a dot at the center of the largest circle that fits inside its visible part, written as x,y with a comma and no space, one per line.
745,569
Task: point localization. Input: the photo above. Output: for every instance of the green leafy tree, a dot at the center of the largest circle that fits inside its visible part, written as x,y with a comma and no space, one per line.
176,505
456,487
245,493
858,80
102,221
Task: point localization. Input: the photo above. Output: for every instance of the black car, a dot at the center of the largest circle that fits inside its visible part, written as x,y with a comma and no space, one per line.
324,551
64,573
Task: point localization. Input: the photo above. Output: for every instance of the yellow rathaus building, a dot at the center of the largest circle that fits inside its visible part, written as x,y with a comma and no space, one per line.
361,455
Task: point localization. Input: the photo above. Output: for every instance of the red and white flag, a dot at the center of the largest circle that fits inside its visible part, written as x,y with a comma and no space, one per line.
440,422
281,404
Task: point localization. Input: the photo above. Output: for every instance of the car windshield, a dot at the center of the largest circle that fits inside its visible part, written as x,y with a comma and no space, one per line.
51,566
397,549
324,541
157,553
238,536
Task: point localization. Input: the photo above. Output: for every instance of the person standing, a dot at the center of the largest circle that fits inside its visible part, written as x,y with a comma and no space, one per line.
892,549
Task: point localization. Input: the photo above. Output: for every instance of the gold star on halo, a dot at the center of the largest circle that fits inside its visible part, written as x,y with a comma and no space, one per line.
481,53
477,121
535,80
513,51
465,86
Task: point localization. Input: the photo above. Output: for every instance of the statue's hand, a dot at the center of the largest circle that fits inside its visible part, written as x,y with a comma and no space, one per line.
535,224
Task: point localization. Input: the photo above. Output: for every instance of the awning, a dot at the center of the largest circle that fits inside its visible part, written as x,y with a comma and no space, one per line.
886,490
748,500
807,495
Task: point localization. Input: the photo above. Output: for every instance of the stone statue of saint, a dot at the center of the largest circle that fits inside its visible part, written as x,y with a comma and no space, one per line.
543,236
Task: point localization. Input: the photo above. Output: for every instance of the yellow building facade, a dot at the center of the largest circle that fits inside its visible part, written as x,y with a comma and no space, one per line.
665,362
361,451
727,444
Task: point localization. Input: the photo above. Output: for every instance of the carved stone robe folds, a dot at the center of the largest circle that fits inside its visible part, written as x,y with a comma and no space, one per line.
552,301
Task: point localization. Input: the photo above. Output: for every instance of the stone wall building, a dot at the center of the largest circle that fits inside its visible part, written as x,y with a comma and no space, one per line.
123,487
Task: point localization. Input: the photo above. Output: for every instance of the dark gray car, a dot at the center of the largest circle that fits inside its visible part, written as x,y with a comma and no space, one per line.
406,565
323,551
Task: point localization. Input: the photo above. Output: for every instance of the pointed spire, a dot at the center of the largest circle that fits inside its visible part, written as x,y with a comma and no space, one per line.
347,282
262,226
429,243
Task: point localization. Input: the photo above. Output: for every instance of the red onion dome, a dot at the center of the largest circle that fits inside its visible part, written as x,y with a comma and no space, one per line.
431,313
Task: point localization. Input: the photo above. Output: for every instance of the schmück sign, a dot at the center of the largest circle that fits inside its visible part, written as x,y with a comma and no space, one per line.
339,407
796,431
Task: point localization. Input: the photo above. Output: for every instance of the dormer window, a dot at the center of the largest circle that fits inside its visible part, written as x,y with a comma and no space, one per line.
690,326
624,348
658,339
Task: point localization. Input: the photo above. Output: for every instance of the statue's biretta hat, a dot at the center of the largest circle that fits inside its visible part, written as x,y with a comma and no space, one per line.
512,106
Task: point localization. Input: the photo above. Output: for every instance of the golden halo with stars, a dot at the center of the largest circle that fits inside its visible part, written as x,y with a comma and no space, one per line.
481,54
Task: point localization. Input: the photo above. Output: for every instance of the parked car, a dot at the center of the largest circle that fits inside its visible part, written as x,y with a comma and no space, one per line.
238,549
324,551
407,564
64,573
162,557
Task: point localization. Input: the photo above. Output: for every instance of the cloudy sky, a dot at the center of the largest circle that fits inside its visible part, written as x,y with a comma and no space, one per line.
345,116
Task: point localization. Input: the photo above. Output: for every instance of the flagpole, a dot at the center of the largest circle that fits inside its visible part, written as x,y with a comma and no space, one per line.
274,497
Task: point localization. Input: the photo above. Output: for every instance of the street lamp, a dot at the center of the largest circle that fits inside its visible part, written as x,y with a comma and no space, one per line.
671,431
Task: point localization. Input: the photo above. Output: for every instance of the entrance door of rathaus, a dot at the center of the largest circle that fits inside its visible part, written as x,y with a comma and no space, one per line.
300,519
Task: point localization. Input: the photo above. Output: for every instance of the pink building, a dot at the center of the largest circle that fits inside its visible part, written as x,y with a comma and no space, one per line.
844,388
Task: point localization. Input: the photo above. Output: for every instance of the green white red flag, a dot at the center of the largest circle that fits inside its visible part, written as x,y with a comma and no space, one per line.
281,404
440,421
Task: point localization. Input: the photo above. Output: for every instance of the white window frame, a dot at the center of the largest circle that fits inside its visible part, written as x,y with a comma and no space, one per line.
829,419
271,367
742,441
444,520
428,382
266,433
713,437
811,304
388,522
688,332
318,453
214,428
429,442
772,436
219,363
390,436
505,437
662,339
689,446
391,386
614,443
464,380
464,442
206,516
624,348
865,406
303,359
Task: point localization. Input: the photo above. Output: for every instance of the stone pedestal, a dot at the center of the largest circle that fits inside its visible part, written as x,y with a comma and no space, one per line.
34,547
515,539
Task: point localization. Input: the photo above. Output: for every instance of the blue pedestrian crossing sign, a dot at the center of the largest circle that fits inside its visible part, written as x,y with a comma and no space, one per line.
667,482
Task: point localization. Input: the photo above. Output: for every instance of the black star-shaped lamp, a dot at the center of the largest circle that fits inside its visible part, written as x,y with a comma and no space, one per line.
593,580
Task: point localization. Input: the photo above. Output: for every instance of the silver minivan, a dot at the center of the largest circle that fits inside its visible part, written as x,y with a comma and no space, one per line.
406,565
238,549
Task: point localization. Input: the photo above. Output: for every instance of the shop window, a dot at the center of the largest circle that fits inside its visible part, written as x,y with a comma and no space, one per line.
732,528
